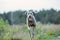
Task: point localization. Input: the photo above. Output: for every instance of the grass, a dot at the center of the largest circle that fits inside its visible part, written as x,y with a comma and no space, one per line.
16,39
20,32
46,32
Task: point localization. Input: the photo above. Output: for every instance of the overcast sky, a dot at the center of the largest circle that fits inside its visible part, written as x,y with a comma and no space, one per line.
11,5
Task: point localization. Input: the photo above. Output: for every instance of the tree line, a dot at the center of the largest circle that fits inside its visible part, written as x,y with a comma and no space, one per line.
43,16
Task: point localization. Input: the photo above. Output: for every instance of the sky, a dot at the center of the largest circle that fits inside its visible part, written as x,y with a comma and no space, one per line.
11,5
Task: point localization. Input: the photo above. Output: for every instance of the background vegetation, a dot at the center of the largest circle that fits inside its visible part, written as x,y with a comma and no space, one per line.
44,16
48,25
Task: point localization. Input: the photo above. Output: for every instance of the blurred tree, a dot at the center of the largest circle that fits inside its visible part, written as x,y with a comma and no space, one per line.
44,16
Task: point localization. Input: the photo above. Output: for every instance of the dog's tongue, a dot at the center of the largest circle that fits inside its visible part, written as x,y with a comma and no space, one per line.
30,19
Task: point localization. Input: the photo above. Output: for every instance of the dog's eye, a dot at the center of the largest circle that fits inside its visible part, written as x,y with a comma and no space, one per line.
31,13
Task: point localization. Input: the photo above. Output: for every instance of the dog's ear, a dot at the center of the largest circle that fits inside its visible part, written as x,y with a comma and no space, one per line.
25,12
33,12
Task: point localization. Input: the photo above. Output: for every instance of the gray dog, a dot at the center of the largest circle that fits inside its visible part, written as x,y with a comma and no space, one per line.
31,23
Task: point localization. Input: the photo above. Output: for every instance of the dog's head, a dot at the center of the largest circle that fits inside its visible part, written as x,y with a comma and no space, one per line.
29,13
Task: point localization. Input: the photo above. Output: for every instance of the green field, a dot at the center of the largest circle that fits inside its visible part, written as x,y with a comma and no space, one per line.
20,32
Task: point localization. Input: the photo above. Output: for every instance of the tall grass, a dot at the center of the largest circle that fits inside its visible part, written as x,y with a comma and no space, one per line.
5,30
41,32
